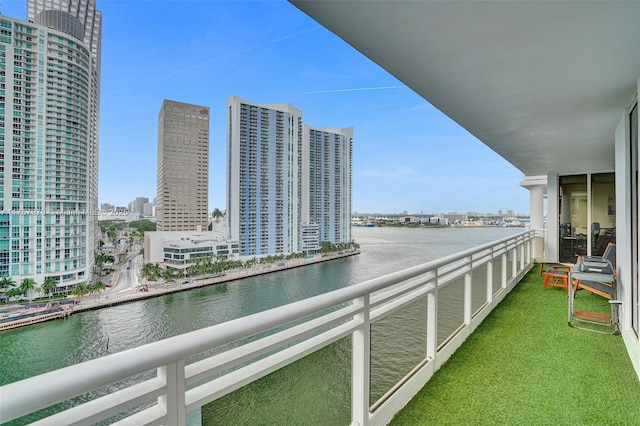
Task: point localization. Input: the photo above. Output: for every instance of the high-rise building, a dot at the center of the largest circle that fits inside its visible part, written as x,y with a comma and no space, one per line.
106,207
288,184
148,210
326,181
137,205
84,21
183,167
264,176
49,143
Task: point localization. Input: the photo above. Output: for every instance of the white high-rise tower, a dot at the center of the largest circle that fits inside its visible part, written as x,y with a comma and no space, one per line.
263,176
288,184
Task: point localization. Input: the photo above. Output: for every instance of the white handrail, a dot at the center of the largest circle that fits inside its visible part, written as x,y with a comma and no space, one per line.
35,393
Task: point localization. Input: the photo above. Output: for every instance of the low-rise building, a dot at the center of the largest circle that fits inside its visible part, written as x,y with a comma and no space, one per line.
310,238
179,249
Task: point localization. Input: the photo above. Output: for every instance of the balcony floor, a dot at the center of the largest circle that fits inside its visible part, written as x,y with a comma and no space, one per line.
525,365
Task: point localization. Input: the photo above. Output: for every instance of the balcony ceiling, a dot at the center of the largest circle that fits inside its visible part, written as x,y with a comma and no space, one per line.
543,84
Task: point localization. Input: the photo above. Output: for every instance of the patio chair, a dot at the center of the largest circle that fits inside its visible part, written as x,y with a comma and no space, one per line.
596,276
598,287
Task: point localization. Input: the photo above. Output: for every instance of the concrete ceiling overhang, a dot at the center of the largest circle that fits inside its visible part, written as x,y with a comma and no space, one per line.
542,83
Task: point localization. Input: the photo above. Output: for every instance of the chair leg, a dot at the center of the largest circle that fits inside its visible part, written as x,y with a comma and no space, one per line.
556,280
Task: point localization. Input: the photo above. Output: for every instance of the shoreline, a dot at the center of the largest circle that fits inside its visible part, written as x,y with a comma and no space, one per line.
155,289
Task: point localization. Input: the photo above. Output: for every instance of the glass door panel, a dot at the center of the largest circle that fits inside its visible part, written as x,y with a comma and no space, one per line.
635,300
574,225
603,212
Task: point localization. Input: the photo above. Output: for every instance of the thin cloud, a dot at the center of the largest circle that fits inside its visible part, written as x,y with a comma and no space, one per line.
354,89
395,174
221,58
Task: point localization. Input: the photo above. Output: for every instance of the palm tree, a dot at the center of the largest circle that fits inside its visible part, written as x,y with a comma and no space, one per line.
27,286
12,292
6,284
96,287
79,291
217,214
150,271
168,274
50,284
99,286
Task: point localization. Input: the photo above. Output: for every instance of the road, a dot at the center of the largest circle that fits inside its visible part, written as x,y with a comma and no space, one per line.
127,276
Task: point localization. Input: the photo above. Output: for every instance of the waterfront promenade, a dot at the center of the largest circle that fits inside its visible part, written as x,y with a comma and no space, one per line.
150,289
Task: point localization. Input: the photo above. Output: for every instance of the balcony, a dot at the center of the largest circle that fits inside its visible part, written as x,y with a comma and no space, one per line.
523,365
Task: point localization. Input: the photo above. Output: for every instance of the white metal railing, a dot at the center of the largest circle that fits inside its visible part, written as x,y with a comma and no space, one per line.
179,385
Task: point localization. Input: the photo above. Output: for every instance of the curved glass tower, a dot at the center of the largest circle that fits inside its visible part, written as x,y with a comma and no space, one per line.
48,148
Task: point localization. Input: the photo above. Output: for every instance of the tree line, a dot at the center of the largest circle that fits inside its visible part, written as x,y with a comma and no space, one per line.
28,287
219,265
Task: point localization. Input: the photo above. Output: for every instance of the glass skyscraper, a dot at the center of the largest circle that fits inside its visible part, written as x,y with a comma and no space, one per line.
49,97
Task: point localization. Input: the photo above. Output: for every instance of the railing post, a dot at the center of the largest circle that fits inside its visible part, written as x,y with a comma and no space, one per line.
514,261
489,287
173,402
503,279
361,365
432,322
468,282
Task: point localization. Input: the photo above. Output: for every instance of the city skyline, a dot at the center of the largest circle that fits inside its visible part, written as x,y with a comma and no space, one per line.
407,155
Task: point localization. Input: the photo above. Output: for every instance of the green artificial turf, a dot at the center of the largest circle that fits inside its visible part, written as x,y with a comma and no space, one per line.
525,366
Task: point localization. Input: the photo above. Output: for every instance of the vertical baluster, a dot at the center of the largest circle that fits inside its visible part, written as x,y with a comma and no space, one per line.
468,281
173,402
489,287
361,365
503,281
432,321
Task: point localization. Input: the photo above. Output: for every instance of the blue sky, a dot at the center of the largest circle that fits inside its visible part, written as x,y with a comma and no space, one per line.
407,155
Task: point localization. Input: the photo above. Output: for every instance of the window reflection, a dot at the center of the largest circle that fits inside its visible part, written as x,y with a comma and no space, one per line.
603,212
587,220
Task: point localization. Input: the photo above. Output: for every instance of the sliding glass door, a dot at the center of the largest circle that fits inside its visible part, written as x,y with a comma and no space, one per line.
587,215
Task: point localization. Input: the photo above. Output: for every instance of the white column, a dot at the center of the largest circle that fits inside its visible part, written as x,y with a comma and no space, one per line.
536,203
537,186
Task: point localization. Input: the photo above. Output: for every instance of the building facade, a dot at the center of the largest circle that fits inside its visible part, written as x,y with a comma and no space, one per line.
48,137
289,185
326,181
264,176
178,249
55,14
183,167
137,205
